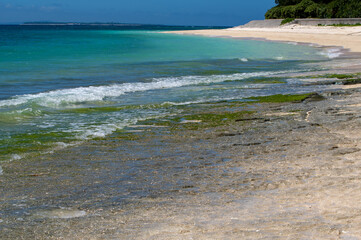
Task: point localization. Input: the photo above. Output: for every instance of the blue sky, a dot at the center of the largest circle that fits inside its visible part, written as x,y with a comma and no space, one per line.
184,12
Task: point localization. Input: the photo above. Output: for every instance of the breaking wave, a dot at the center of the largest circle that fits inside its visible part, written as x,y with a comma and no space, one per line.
63,97
332,52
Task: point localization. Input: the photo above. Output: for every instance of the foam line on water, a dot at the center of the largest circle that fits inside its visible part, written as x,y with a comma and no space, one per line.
63,97
332,52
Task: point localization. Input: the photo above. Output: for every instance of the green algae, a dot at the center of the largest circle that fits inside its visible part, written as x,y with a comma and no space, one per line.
274,80
208,120
116,108
224,104
7,150
215,72
340,76
351,81
10,117
32,142
261,80
345,79
280,98
194,118
92,109
215,118
334,75
198,120
125,135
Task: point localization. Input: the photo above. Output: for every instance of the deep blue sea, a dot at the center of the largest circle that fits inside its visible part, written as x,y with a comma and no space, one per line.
64,85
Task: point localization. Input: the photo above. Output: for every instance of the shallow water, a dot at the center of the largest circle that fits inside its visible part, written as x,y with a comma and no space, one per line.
83,162
62,86
229,181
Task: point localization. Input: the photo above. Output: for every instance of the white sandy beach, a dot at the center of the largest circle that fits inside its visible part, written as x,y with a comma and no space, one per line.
347,37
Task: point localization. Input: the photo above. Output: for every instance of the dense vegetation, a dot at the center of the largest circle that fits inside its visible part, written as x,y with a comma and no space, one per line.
315,9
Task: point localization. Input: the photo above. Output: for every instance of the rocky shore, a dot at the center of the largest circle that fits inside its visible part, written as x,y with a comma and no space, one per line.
284,167
291,172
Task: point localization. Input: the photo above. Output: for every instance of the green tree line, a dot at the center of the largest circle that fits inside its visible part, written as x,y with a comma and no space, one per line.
315,9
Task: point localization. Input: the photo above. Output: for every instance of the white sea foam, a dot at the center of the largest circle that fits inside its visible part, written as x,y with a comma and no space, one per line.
106,129
15,157
62,144
244,59
46,125
64,97
332,52
100,131
86,131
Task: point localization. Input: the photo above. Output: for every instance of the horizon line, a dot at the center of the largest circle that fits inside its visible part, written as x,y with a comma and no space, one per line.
79,23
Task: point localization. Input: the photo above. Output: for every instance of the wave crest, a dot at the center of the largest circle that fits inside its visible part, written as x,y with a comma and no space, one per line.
63,97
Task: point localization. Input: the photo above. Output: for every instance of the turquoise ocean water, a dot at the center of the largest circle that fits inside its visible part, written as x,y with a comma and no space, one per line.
64,85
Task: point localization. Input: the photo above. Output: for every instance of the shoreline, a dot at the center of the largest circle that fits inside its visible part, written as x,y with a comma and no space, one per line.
224,170
281,169
346,37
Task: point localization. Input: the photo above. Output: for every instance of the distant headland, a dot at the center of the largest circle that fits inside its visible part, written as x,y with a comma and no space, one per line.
80,23
114,25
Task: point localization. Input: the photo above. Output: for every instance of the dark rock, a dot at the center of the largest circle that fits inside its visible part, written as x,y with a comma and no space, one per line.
252,119
345,151
247,144
228,134
351,81
314,97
